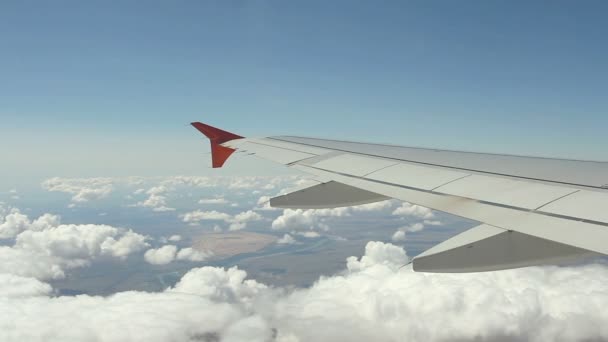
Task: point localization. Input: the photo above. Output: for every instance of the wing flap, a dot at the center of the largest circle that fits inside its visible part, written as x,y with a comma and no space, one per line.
488,248
326,195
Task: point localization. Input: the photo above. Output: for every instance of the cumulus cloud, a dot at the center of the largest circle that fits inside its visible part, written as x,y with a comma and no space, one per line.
408,209
398,236
168,253
307,219
45,248
82,189
309,234
172,238
161,256
13,223
199,215
15,286
286,240
245,183
298,219
175,238
376,206
213,201
236,222
264,204
378,253
417,212
191,254
374,299
126,244
240,220
157,199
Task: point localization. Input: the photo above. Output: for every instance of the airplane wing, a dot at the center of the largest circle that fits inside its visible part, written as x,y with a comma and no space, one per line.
532,210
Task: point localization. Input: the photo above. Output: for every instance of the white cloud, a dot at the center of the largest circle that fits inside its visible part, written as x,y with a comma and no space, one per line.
126,244
223,285
309,234
139,191
14,286
399,236
298,219
376,206
432,223
191,254
168,253
82,189
408,209
415,227
199,215
286,240
240,220
213,201
378,253
172,238
157,199
14,223
245,183
375,299
193,181
161,256
264,204
175,238
236,222
45,248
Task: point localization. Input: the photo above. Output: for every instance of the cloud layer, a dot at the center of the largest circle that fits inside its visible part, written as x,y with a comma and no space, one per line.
81,189
374,299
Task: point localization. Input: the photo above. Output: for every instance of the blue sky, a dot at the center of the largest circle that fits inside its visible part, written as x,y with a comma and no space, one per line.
107,88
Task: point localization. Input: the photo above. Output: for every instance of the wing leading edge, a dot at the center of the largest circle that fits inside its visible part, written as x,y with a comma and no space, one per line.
534,210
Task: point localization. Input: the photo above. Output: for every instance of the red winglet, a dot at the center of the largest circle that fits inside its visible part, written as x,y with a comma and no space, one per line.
219,153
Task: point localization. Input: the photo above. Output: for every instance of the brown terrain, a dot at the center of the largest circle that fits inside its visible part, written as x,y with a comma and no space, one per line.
224,245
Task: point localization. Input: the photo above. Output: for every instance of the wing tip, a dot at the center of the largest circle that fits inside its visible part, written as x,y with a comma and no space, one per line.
215,134
219,153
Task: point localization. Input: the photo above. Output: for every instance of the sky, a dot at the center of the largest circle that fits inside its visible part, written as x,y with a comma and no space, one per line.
102,88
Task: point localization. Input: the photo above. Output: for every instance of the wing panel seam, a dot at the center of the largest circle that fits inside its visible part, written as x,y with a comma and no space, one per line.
557,199
452,181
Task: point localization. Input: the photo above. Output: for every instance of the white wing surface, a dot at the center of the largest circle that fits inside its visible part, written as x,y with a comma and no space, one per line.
534,210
